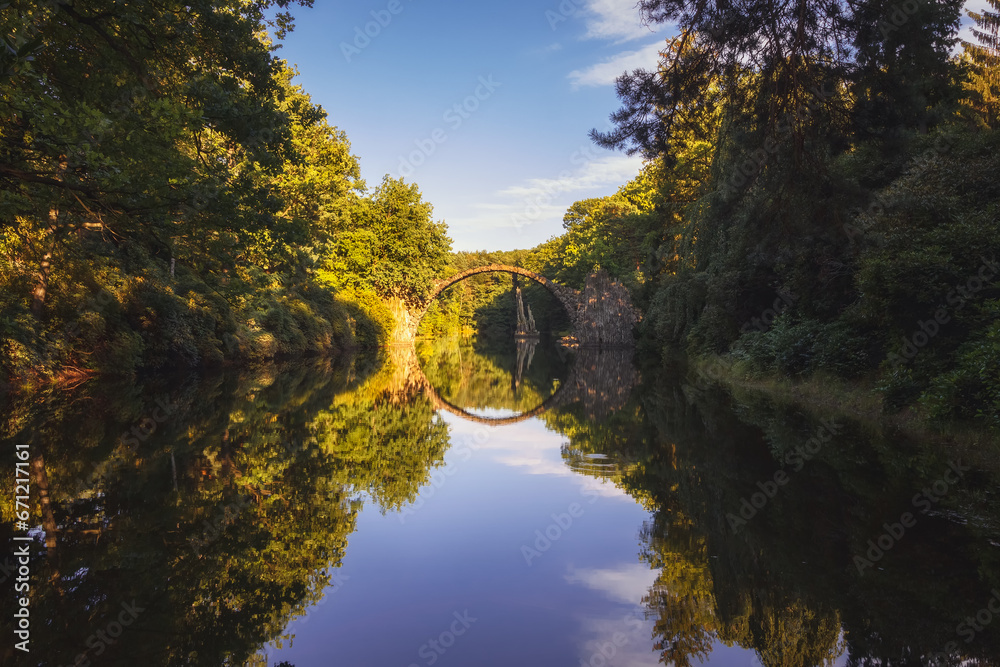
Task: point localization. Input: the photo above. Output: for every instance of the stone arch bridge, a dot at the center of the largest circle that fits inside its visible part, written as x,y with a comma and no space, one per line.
602,315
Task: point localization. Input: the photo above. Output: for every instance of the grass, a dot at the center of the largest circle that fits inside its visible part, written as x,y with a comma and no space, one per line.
858,401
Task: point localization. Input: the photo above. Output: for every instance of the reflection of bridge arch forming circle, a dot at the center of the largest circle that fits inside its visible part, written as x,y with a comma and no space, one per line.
600,381
568,297
440,403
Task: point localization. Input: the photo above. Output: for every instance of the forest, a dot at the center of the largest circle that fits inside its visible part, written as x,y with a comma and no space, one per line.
161,209
819,200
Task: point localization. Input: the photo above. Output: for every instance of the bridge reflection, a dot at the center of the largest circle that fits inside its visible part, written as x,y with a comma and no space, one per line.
599,381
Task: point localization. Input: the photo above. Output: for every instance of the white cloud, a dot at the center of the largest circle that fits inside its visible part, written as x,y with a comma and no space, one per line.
605,73
615,20
626,583
533,449
602,170
543,201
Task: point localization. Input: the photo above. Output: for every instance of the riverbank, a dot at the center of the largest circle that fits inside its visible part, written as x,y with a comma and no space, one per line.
860,401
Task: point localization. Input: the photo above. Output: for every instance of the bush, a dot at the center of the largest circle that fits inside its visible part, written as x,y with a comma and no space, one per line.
972,390
369,319
804,347
785,348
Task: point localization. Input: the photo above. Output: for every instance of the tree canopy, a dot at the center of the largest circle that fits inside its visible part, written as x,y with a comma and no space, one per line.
167,192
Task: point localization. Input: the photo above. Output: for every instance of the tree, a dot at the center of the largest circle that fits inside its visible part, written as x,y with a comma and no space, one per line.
903,77
139,149
390,244
774,59
129,121
320,185
661,106
225,522
983,86
158,160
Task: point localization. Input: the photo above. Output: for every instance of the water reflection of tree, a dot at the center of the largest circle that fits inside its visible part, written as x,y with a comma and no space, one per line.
785,585
270,469
476,377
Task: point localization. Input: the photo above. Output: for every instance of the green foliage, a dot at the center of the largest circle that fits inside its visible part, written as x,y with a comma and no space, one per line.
390,245
804,347
619,233
972,389
370,320
783,583
228,518
488,375
169,196
983,84
926,263
832,172
600,233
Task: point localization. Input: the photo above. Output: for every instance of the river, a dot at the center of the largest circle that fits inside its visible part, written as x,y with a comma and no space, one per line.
462,504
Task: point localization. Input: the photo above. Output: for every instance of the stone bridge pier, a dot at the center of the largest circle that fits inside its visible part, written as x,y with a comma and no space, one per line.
602,315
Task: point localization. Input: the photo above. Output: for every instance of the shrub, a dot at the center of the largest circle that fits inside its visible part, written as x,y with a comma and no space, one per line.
804,347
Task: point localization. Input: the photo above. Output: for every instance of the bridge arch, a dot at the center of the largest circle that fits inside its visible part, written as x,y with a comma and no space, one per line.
601,315
568,297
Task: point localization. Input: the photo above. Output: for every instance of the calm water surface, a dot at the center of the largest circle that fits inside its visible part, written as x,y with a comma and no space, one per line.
514,505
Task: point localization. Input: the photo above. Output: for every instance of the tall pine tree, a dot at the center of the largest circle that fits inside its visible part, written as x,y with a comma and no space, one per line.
983,85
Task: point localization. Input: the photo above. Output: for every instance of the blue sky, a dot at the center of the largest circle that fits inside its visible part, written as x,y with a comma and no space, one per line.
519,147
486,106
